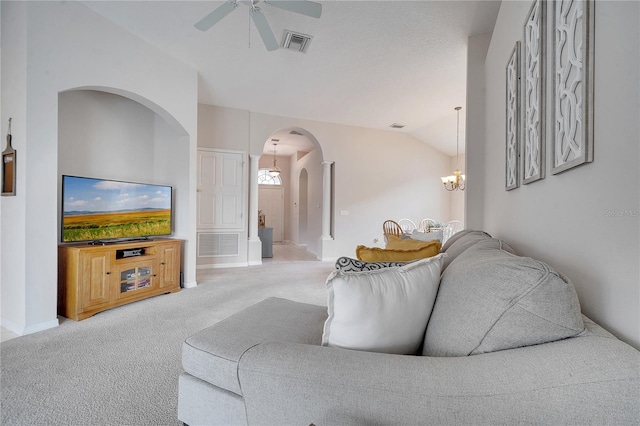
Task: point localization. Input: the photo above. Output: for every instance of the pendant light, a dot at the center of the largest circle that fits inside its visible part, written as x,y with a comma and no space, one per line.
274,170
457,181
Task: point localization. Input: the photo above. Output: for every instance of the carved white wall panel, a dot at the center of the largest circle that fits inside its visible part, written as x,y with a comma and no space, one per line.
573,29
513,119
533,68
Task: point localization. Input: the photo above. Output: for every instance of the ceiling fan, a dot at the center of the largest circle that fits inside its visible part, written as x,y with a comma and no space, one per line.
304,7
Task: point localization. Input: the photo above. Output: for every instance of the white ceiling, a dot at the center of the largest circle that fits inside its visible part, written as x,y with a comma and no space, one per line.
369,64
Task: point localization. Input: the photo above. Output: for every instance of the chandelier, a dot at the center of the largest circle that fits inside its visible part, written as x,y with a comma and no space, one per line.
457,180
274,170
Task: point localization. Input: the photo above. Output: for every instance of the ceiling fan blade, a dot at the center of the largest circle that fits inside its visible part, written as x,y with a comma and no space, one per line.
264,29
214,17
309,8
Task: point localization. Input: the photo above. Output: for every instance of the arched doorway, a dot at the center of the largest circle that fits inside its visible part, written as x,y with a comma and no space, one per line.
299,156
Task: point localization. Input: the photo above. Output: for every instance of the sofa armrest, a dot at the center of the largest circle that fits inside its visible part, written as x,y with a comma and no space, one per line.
582,380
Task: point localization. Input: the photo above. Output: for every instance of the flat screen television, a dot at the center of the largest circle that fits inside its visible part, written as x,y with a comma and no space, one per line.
103,210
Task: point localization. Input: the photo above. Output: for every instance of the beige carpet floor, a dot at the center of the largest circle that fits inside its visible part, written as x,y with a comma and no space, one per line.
121,366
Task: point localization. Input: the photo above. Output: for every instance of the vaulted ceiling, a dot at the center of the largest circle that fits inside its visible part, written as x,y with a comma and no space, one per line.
369,63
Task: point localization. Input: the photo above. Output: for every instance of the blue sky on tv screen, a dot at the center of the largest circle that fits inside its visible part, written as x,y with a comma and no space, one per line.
97,195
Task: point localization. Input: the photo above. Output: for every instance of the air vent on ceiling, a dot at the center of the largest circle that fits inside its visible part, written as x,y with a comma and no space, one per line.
295,41
397,126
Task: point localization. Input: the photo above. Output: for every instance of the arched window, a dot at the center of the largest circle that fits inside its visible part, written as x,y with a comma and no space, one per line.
266,178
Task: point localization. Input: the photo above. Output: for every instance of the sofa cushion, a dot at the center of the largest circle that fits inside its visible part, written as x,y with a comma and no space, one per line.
455,237
348,264
490,299
212,354
399,250
460,242
385,310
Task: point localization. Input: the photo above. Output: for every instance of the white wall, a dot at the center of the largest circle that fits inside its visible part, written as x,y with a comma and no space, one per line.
378,174
14,104
312,163
584,222
475,132
105,136
51,47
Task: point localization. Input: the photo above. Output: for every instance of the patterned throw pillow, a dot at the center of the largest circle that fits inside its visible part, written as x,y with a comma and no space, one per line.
348,264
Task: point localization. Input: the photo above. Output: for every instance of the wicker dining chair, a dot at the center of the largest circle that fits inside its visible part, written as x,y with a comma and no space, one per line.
451,228
427,224
391,227
407,225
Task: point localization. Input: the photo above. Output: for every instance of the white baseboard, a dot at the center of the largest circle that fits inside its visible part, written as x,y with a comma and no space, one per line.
223,265
191,284
23,331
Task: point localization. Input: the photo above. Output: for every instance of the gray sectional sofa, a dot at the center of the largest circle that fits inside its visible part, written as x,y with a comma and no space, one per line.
505,343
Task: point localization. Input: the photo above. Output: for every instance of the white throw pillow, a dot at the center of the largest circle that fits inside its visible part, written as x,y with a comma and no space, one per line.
386,310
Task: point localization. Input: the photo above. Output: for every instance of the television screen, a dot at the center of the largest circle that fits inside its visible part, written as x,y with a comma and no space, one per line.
101,209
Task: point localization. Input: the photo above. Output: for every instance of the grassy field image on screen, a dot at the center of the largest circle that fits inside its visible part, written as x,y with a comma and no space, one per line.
104,226
103,209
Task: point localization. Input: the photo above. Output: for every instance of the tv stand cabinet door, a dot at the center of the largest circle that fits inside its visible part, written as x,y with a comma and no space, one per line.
94,285
170,265
135,279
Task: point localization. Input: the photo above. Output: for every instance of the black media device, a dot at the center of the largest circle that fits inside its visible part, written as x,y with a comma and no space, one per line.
121,254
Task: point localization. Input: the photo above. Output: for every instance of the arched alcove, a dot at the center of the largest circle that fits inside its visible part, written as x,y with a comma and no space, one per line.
166,116
113,134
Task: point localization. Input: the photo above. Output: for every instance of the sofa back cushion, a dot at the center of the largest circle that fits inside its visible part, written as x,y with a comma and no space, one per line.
459,243
490,299
384,310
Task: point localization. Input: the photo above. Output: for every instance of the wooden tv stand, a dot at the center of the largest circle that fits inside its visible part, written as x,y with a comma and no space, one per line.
93,278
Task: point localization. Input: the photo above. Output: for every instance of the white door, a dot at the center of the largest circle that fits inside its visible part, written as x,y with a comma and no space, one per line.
271,202
219,190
